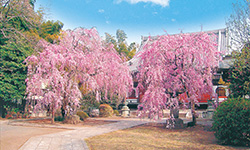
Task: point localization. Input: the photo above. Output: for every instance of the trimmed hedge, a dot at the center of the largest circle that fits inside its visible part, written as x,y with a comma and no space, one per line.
116,112
83,115
232,122
106,110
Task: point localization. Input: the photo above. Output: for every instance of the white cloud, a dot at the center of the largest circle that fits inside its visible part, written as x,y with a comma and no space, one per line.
163,3
107,22
101,10
173,20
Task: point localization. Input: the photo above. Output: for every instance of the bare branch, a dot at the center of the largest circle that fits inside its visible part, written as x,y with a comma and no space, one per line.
239,25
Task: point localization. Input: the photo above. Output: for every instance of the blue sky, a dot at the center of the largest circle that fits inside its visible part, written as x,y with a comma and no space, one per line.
140,17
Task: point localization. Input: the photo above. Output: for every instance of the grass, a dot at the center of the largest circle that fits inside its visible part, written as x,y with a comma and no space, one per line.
150,137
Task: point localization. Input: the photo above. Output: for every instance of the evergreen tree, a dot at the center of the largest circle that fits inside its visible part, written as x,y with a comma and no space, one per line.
20,26
50,30
120,44
240,73
239,33
13,73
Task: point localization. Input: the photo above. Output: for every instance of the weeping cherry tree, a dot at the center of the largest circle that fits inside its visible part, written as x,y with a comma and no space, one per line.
80,60
173,65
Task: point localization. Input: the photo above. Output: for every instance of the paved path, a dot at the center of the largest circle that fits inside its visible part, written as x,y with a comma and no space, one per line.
74,139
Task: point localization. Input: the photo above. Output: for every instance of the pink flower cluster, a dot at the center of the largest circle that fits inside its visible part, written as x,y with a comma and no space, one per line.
173,65
80,59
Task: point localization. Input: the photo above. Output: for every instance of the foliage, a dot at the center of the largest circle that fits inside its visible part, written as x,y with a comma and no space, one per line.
116,112
239,31
13,73
106,110
132,50
120,44
50,30
113,100
172,65
238,25
80,63
89,101
232,122
59,118
121,36
83,115
240,73
13,114
16,16
19,27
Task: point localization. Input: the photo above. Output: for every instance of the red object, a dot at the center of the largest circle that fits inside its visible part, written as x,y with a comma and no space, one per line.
202,100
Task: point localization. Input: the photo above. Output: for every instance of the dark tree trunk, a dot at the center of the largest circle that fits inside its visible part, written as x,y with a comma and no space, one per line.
193,113
2,108
53,116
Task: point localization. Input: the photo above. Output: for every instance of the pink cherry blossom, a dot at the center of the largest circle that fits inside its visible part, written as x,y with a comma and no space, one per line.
173,65
81,58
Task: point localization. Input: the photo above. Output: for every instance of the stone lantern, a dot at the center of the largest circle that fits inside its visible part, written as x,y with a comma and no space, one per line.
125,110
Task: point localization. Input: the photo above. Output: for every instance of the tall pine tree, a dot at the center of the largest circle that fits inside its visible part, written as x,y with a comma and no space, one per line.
13,73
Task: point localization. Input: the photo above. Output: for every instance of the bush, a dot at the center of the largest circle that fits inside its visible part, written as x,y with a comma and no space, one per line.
8,116
232,122
116,112
106,110
59,118
83,115
89,101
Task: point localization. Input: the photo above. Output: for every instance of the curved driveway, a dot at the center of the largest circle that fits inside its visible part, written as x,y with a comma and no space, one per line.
74,139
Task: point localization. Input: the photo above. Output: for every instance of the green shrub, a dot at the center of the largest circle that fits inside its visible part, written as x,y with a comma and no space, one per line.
83,115
106,110
232,122
59,118
116,112
89,101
